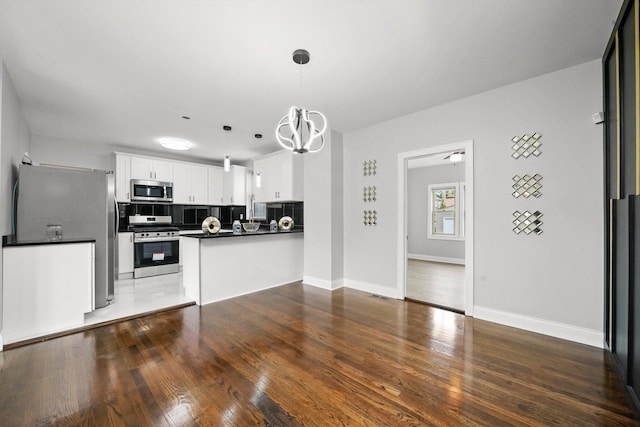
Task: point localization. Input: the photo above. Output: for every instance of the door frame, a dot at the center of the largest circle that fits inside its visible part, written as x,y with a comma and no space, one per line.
402,235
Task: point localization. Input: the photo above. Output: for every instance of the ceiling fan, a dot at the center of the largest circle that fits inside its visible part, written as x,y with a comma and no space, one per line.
454,157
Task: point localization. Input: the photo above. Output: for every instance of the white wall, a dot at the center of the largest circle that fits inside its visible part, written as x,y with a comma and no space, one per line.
552,279
337,208
418,181
323,244
14,141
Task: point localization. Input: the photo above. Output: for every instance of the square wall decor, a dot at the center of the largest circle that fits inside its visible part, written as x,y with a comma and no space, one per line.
526,186
369,193
370,217
527,222
369,167
525,145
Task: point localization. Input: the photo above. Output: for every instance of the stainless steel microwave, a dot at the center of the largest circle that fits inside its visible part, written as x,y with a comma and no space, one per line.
151,191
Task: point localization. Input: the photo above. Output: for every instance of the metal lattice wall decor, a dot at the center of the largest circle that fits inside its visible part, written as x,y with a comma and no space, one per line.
369,194
527,186
525,145
369,167
370,217
527,222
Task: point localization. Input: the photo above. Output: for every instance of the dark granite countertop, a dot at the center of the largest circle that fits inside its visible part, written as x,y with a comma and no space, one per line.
243,234
10,241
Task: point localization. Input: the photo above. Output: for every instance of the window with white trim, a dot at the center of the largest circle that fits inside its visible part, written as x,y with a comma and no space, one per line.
446,211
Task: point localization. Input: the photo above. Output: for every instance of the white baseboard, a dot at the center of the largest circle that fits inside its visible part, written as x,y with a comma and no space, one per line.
436,259
564,331
372,288
329,285
1,343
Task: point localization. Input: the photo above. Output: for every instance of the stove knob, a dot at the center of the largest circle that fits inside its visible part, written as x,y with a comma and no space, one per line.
157,234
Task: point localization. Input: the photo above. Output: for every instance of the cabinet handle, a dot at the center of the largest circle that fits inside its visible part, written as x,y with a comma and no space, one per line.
131,238
231,199
128,196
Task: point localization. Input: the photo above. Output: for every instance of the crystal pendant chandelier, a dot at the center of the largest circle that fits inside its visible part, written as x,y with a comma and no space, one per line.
301,130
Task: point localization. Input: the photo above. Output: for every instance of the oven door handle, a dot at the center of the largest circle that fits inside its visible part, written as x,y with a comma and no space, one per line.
155,239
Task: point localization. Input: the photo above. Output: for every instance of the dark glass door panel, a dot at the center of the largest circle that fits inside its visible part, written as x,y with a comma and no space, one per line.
626,52
621,281
634,295
611,126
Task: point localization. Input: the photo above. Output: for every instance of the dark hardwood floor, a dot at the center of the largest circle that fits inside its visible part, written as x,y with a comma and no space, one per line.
297,355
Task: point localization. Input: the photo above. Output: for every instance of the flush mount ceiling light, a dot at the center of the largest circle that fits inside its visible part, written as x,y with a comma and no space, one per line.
455,157
175,143
297,131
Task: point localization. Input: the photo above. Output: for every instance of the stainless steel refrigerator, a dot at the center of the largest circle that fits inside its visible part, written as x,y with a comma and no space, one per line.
82,203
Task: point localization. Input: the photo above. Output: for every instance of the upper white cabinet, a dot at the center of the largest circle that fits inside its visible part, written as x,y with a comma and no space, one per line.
150,168
193,183
190,184
123,178
234,186
181,183
215,176
282,177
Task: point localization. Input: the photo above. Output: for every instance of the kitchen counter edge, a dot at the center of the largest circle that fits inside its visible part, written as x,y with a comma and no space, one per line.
10,241
243,234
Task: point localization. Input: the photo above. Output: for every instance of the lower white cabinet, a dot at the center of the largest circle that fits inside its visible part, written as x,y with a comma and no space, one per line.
125,253
182,233
46,288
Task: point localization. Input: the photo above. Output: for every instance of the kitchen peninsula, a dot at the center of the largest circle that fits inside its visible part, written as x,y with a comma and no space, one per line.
221,266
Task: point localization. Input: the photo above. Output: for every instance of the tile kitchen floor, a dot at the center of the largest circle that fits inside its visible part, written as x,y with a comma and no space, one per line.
135,296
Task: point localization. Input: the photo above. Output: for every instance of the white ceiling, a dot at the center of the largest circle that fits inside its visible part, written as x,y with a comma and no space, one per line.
433,160
123,72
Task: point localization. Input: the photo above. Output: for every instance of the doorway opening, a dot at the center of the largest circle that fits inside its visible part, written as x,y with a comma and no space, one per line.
435,231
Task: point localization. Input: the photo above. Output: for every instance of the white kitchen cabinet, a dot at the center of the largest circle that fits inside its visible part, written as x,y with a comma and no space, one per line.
199,181
123,178
181,184
190,184
234,186
150,168
47,288
282,177
125,253
215,176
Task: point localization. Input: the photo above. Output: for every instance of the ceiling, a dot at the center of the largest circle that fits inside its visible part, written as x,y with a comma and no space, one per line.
123,72
434,160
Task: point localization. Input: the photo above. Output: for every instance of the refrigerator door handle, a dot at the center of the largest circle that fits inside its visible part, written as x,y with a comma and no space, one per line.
117,215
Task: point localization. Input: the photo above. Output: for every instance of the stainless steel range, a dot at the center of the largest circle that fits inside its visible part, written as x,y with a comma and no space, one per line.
156,245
